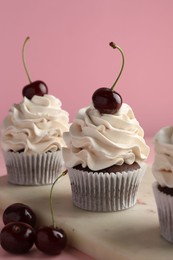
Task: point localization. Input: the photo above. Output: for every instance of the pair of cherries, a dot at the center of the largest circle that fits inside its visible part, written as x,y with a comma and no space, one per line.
105,100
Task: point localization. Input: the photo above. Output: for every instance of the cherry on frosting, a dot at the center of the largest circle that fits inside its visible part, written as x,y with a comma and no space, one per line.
37,87
106,100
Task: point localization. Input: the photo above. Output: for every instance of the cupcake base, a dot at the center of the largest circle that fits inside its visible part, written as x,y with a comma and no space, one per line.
38,169
105,192
164,204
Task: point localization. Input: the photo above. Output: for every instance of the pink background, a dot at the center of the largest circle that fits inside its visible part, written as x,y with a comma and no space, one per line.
69,50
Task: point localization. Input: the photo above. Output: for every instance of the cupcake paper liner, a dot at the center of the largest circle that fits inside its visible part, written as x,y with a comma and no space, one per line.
38,169
164,204
105,192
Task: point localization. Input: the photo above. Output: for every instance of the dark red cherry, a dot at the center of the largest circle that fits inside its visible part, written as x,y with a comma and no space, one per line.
38,88
50,240
17,237
107,101
19,212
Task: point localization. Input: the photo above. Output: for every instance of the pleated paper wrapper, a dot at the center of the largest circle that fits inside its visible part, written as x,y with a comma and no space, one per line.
164,204
38,169
105,192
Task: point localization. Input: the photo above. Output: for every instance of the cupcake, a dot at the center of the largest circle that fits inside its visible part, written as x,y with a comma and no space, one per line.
32,140
104,154
32,136
162,169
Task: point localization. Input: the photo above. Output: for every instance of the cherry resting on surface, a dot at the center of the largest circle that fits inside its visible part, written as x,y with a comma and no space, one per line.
51,240
38,87
17,237
106,100
19,212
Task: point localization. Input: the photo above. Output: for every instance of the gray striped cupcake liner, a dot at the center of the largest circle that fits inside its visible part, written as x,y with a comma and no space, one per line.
105,192
164,205
38,169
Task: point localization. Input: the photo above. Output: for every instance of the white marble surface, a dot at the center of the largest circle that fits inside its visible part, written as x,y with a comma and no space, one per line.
132,234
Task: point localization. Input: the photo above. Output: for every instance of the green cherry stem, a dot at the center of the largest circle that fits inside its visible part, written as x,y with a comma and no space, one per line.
114,46
51,193
23,58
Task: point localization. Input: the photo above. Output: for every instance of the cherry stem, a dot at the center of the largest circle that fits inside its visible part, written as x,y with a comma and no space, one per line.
23,58
51,193
114,46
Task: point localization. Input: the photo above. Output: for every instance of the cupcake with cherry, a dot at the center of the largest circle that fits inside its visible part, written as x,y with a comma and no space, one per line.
105,152
32,135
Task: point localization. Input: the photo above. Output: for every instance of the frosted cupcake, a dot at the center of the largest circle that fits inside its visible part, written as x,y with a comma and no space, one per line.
163,187
105,153
32,137
32,140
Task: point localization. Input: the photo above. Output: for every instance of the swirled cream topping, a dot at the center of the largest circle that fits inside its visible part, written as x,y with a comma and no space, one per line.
102,140
162,167
35,125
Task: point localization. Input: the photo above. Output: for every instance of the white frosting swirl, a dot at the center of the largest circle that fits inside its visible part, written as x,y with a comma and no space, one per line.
35,125
102,140
162,167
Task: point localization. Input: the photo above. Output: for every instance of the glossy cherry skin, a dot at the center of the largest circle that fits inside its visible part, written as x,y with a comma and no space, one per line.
19,212
50,240
17,237
38,88
107,101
